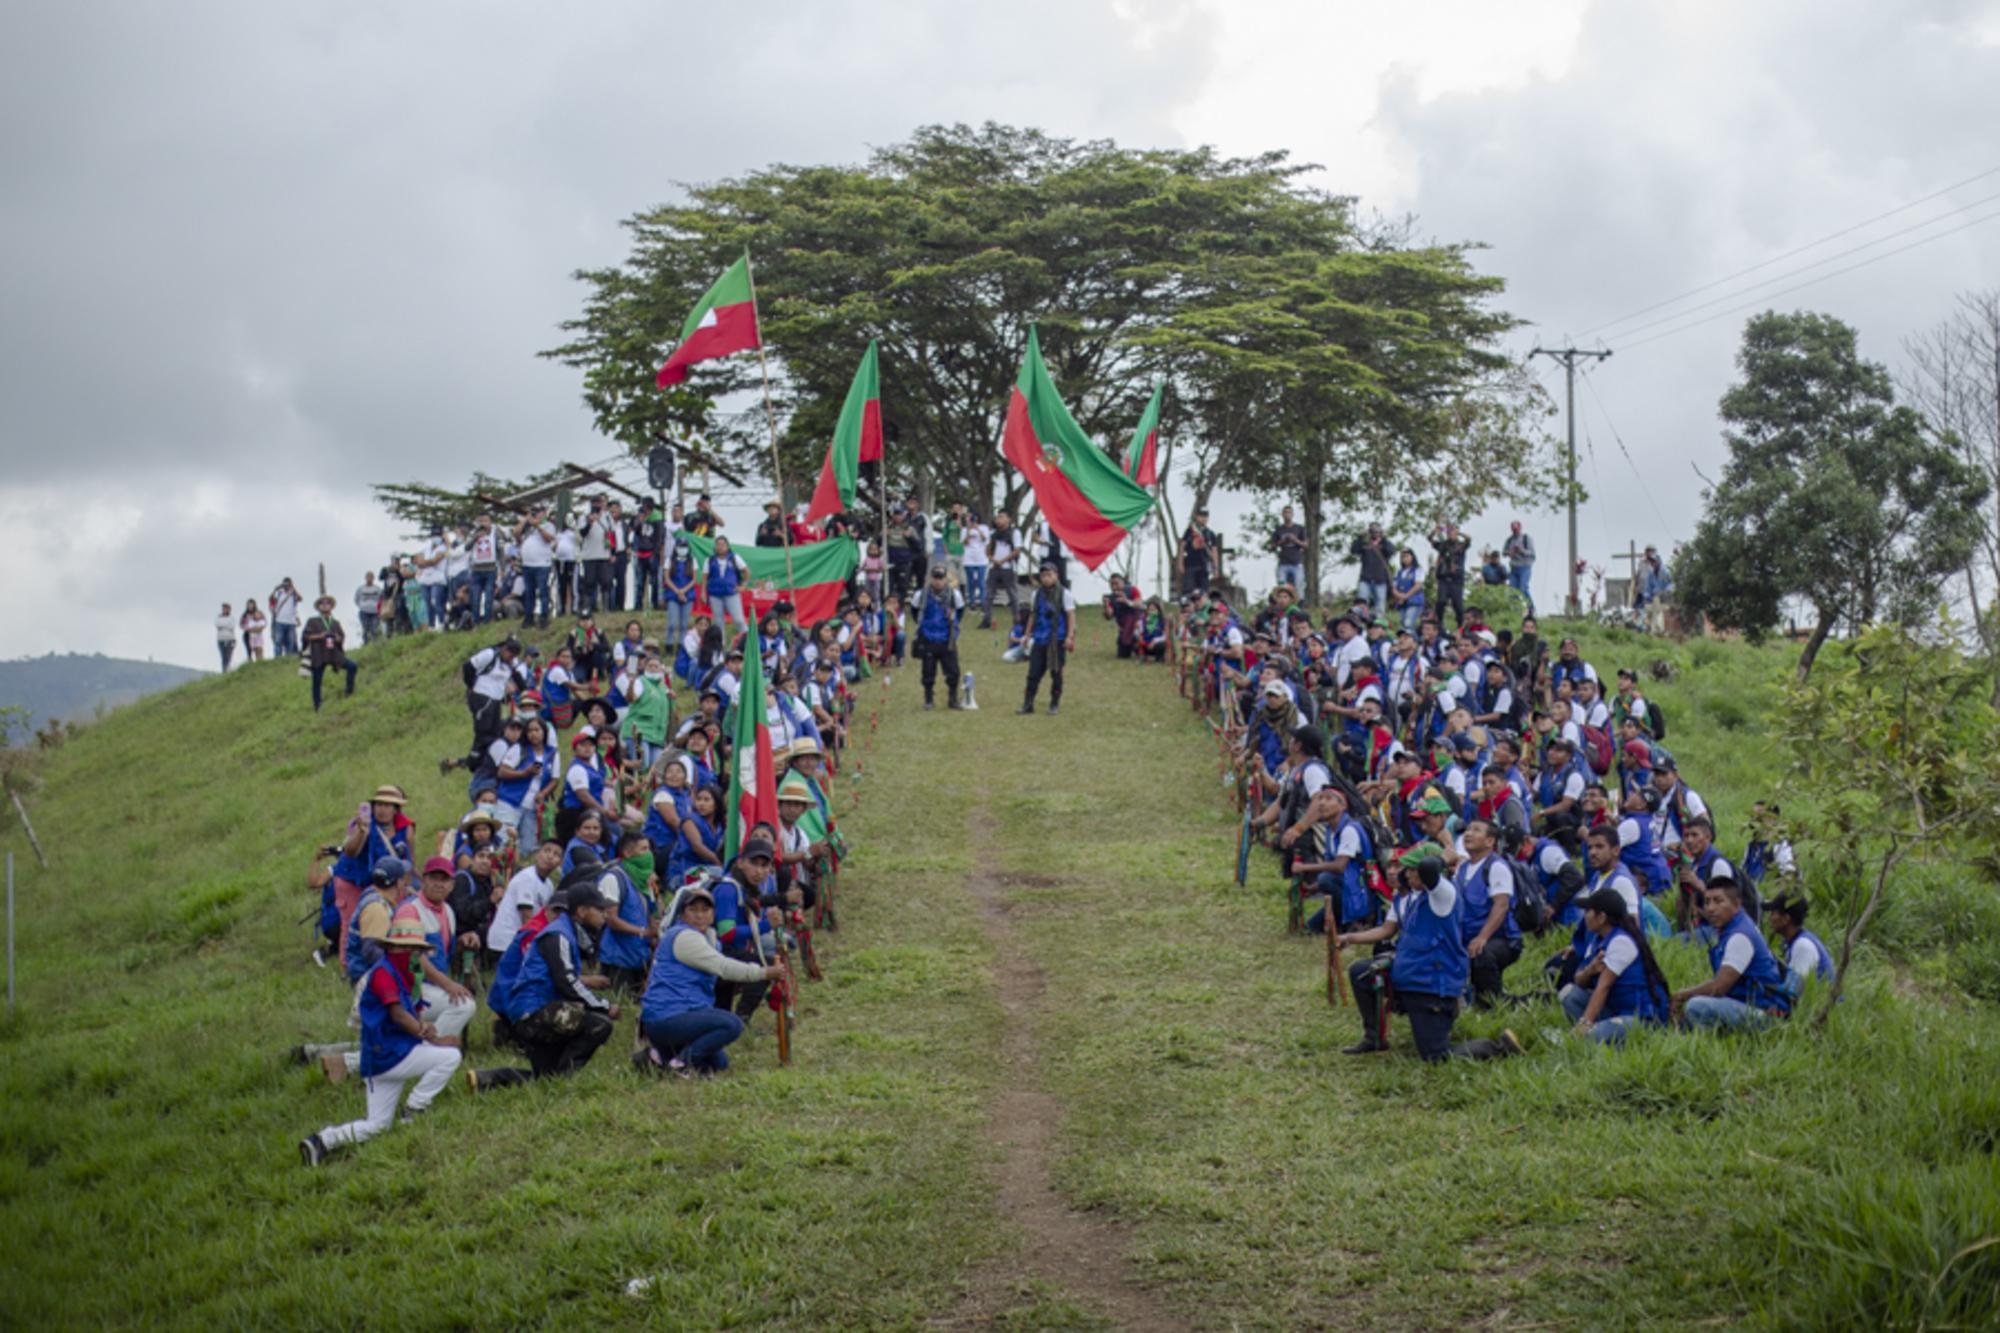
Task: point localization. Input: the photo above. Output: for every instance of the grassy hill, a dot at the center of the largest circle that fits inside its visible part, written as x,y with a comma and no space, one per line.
1062,1071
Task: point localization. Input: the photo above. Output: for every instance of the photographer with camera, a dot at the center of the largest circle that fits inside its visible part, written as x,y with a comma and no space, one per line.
939,608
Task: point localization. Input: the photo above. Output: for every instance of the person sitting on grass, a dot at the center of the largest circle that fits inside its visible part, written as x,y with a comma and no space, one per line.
1335,860
397,1047
1806,955
553,1013
686,1030
1620,983
1747,990
1635,841
1427,973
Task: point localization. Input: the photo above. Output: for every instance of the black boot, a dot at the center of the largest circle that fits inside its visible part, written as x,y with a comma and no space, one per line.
1025,709
1366,1046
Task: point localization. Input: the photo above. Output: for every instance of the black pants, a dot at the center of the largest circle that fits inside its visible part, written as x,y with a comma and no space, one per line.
319,671
617,567
936,654
486,723
1431,1017
1499,954
1194,579
596,589
1451,593
742,996
1001,585
647,595
1045,657
558,1039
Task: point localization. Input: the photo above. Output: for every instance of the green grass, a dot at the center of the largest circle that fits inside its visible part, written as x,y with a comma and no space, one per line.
148,1176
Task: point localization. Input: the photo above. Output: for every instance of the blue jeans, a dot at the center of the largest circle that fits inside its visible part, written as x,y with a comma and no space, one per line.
1718,1011
370,626
677,624
436,597
1295,575
1376,595
1607,1031
483,583
536,602
1517,579
1413,616
284,639
696,1036
975,586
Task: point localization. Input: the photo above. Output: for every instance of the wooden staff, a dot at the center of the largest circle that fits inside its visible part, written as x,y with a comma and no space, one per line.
771,419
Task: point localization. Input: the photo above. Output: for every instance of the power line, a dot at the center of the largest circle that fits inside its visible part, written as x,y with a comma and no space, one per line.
1810,245
1806,268
1589,382
1772,296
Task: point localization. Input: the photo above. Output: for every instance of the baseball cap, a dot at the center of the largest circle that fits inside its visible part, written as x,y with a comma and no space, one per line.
440,865
758,847
388,870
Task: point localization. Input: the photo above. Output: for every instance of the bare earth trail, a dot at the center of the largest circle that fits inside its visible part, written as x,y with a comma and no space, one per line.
1076,1258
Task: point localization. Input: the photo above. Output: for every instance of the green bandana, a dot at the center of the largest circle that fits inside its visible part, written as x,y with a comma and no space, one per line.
639,869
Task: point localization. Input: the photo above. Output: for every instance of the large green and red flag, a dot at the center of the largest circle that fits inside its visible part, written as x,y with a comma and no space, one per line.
857,439
753,791
1142,455
724,321
1085,496
819,573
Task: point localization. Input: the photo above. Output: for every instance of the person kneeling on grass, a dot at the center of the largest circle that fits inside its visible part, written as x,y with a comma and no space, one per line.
397,1047
685,1031
1747,990
1428,972
554,1016
1620,983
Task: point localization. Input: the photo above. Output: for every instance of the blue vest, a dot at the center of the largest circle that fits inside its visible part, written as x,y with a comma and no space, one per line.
534,990
722,576
500,994
1552,884
680,570
1475,899
674,987
1550,789
358,956
1406,579
1631,995
614,949
357,868
1270,745
1430,950
1825,969
1355,906
593,780
1560,671
514,791
658,829
1048,616
935,623
383,1044
1761,986
555,695
681,859
1643,858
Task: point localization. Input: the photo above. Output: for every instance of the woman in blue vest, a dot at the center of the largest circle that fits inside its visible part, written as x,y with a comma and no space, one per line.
397,1047
1635,841
590,835
678,582
379,829
664,813
1620,983
1426,974
1406,589
684,1030
700,841
1747,990
725,576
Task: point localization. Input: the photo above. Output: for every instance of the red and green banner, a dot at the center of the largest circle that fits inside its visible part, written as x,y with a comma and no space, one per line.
820,571
753,791
724,321
857,438
1142,455
1086,498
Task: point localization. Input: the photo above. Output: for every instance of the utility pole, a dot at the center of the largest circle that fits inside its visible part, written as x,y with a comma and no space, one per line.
1568,356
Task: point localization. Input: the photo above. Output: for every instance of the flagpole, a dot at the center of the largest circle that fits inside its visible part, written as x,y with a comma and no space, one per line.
771,419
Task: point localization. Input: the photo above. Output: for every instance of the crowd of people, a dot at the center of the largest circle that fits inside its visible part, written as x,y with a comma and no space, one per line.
1446,792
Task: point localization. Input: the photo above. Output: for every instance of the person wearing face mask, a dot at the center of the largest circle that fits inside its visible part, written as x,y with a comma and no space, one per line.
649,717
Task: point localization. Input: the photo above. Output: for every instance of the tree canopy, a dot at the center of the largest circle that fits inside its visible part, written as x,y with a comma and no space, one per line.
1833,494
1278,323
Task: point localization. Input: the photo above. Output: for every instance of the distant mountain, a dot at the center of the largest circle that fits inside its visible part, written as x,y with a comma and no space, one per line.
73,686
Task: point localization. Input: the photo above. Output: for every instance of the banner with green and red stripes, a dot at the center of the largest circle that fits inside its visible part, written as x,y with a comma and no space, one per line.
819,574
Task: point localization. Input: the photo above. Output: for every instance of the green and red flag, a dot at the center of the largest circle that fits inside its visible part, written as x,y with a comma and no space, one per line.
857,439
724,321
753,791
1086,498
1142,455
819,573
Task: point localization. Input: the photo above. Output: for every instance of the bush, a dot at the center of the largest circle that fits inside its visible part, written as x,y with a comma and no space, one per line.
1500,605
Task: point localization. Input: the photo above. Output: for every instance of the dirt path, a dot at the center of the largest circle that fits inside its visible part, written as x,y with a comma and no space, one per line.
1068,1255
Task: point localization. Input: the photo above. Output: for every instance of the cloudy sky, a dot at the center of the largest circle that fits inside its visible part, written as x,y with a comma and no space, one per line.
257,256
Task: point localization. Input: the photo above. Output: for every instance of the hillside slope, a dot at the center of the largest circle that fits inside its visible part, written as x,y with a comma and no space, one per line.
76,686
1045,981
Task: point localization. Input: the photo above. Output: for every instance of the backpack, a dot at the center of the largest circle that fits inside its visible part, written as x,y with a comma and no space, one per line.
467,672
1656,721
1531,909
1597,747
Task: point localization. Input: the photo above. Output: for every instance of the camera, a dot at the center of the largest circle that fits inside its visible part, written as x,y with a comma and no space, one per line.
329,850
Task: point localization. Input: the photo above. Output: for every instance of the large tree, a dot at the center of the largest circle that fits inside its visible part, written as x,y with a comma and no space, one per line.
1834,494
944,248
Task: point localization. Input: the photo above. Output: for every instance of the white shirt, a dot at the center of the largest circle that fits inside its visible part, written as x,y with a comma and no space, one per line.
1443,901
527,893
566,546
537,545
1003,546
1619,954
1803,957
1739,953
1348,843
484,548
225,629
491,673
1596,713
457,557
1551,860
1347,656
431,572
285,607
974,538
1627,890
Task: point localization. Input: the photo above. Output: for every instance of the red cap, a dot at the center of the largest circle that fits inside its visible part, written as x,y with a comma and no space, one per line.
581,737
440,865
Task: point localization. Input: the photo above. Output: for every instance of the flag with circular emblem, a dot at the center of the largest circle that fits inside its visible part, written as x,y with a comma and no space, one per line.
724,321
1085,496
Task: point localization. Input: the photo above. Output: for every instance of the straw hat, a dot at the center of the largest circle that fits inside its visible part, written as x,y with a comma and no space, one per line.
389,793
795,788
406,932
